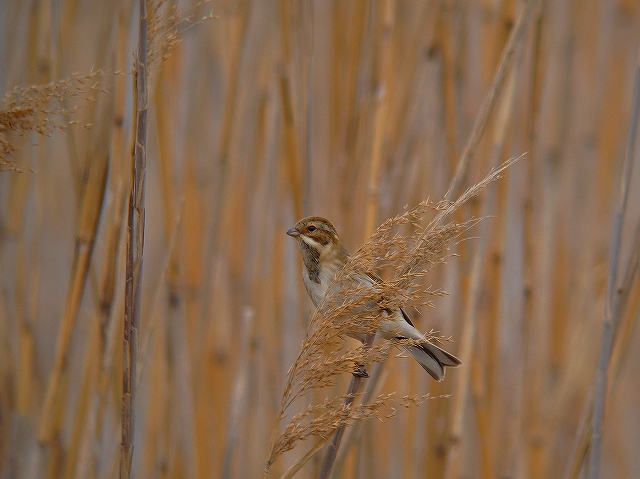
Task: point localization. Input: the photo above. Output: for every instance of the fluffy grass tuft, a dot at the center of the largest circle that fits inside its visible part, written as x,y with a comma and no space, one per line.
41,109
166,26
353,309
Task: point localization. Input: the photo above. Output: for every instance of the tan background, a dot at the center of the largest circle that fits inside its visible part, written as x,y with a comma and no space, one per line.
345,109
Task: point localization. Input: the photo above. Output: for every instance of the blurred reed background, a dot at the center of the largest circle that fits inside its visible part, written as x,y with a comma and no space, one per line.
345,109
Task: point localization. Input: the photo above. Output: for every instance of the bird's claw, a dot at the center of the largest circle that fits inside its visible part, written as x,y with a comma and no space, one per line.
360,371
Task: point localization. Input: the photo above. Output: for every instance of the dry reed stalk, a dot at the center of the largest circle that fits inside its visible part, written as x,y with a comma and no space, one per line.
107,333
161,286
296,466
167,292
545,277
291,143
85,239
443,448
187,454
27,283
379,133
379,374
347,43
482,117
153,452
81,425
200,267
166,27
350,140
539,280
511,322
39,109
78,452
113,232
352,391
187,307
7,366
527,446
237,53
158,450
580,448
18,195
135,247
164,105
617,291
476,276
482,419
26,268
626,327
238,408
443,40
380,113
307,61
575,378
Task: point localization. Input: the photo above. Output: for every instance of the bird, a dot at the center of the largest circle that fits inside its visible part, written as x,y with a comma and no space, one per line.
323,256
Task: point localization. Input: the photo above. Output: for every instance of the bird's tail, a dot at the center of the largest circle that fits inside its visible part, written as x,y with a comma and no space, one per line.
433,359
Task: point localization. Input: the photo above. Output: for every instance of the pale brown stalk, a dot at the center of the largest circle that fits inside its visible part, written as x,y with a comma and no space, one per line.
381,99
135,245
380,112
469,325
443,39
334,445
379,375
296,466
81,425
617,291
239,400
114,216
489,100
41,109
292,141
91,202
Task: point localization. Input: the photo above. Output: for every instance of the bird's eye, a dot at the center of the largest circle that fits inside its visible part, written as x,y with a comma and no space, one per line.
311,228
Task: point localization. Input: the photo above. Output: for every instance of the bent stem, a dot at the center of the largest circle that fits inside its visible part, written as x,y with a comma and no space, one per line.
296,466
332,451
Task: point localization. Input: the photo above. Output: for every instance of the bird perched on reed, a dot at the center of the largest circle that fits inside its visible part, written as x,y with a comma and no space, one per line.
323,256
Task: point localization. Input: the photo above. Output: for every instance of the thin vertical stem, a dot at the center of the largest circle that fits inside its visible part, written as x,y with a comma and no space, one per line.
476,275
380,114
489,100
616,298
135,244
332,449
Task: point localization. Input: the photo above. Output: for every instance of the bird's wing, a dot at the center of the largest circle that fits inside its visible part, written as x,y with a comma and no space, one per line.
406,317
374,277
377,279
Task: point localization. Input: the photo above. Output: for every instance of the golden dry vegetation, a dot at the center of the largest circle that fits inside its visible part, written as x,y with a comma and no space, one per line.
260,113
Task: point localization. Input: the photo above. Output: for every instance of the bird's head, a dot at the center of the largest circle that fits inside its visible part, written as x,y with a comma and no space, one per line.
316,233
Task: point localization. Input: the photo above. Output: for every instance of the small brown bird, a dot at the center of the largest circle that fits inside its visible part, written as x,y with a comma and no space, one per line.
324,256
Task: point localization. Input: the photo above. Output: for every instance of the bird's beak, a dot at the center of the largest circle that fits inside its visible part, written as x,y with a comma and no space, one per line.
294,233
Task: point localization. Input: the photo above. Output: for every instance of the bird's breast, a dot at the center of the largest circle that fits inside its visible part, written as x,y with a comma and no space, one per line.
317,282
316,290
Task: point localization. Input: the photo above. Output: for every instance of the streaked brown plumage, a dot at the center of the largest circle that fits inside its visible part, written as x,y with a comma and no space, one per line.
324,256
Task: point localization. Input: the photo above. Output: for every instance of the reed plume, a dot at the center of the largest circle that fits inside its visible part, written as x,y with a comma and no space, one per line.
41,109
347,310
